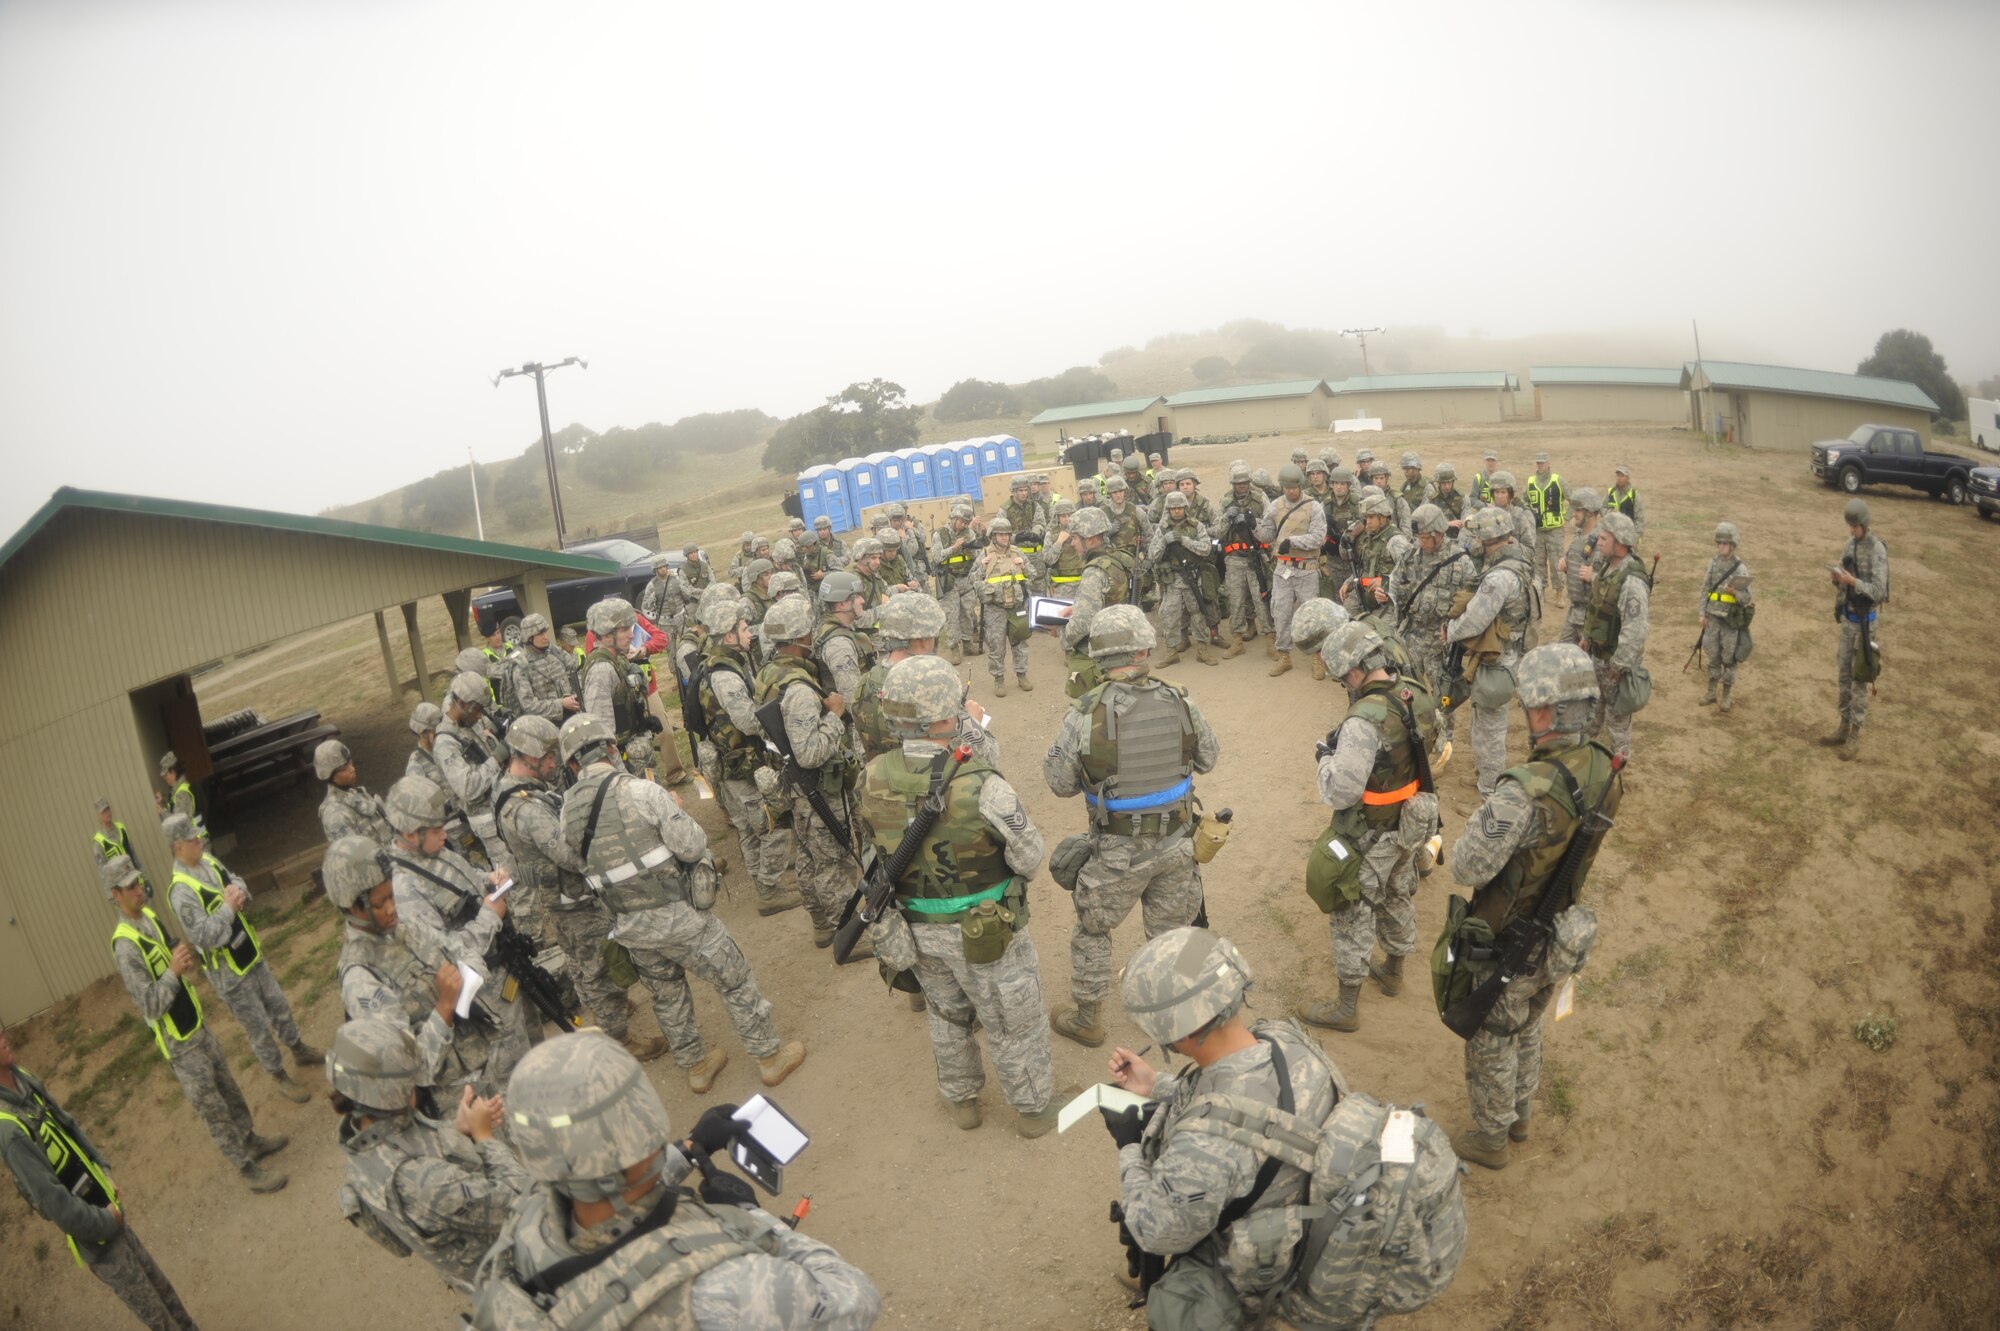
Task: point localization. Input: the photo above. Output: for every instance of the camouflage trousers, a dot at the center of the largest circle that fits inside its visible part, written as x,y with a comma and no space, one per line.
1289,591
133,1275
260,1007
668,942
994,625
960,603
1247,611
766,850
581,931
1503,1059
1387,909
826,875
1549,553
506,1043
1619,725
1430,654
1853,697
1158,874
203,1071
1719,644
1006,997
1181,618
1572,626
1489,745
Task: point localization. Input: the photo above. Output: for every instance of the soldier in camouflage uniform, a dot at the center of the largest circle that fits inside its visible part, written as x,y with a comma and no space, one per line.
1527,531
662,601
180,792
1002,575
1615,624
1198,503
867,566
1415,491
1087,495
915,547
614,687
1586,506
1131,747
1494,627
1106,578
838,644
1032,523
1130,531
1546,499
784,556
1507,855
742,556
1366,591
155,976
1368,775
908,625
606,1224
1063,556
1480,494
60,1172
544,675
813,563
468,766
960,917
1139,487
438,891
416,1184
348,809
648,861
1861,587
1449,500
733,752
1343,519
955,554
1294,527
1726,604
1178,1183
757,588
1181,552
1378,476
1425,583
837,553
1622,498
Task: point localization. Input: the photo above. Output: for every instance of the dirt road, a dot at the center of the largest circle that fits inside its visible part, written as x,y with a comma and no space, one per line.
1713,1145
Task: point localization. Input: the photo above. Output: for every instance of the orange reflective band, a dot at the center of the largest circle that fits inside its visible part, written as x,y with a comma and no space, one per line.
1396,796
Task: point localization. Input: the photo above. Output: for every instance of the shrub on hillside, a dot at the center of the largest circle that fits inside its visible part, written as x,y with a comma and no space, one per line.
977,400
1210,368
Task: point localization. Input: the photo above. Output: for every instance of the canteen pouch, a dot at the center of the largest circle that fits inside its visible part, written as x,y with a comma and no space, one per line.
1466,953
1071,854
1193,1296
703,883
1738,616
618,967
1333,870
1083,675
985,932
1743,645
1018,629
1492,686
1867,667
1632,692
1209,838
895,945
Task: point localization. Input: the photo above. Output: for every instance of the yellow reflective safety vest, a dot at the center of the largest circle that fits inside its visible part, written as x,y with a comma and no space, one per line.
79,1174
1547,499
109,848
242,951
183,1018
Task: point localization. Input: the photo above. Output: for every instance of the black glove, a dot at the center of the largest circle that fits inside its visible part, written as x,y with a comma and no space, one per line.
724,1189
1324,749
1285,546
655,725
715,1129
1125,1127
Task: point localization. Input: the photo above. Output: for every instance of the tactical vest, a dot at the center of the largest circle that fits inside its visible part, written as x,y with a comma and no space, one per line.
1125,528
533,867
835,775
1415,492
1028,524
1393,779
1239,534
1622,501
74,1168
892,567
1601,618
650,1273
1545,499
1068,568
962,856
397,967
1139,764
871,723
627,708
374,1156
1010,582
957,567
626,862
1373,560
1482,488
830,628
1515,611
1451,502
183,1016
107,849
1517,889
242,951
739,754
1116,565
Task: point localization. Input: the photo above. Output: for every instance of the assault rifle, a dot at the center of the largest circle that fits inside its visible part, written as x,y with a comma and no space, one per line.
771,719
1184,570
510,950
1457,688
1243,531
1524,943
1853,602
877,892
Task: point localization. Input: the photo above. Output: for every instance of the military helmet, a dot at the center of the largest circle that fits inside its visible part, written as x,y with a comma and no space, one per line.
1378,506
690,549
118,871
1117,485
1445,472
1363,457
1489,524
351,870
608,616
1412,460
961,512
1239,471
471,660
908,616
721,614
749,538
581,1112
1428,519
1020,480
1261,478
1064,508
1091,522
1340,476
806,538
755,569
1553,674
581,733
784,550
1001,525
1087,483
1620,528
374,1062
920,691
178,827
865,546
823,521
425,716
469,689
1317,465
415,803
1726,531
1377,467
330,757
761,543
1289,476
838,586
1299,456
1352,646
1120,630
796,524
657,560
1856,513
897,511
785,584
1502,480
532,625
533,736
1175,499
789,619
1179,982
1587,498
1133,462
1313,620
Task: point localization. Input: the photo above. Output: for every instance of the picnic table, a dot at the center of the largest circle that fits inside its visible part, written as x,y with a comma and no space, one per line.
274,754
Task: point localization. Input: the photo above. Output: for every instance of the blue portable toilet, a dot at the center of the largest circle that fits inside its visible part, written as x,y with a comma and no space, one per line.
1010,453
916,472
823,493
864,484
889,473
991,460
944,469
969,470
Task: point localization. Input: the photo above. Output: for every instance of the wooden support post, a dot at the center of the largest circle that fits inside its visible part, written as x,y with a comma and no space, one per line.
533,594
458,608
388,659
417,651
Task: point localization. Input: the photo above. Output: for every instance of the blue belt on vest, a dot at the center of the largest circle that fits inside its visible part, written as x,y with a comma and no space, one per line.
1853,618
1173,794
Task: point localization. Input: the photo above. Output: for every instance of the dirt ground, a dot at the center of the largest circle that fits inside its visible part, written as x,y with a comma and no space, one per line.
1714,1147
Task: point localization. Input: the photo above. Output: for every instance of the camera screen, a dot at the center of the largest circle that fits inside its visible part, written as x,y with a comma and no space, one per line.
768,1126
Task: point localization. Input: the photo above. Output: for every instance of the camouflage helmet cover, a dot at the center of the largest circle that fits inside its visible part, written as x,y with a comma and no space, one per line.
1117,485
961,512
1261,478
838,586
784,550
1502,480
908,616
1378,506
425,716
580,1111
1065,507
374,1062
1856,513
1412,460
1587,498
1175,499
1299,456
999,525
1019,480
866,546
1428,519
1120,630
1312,621
1489,524
1445,472
1091,522
657,560
721,614
608,616
1239,472
898,511
1726,531
329,758
919,691
415,803
1317,465
785,584
533,736
1350,647
532,625
351,870
1620,529
581,733
1553,674
471,660
1179,982
469,688
789,619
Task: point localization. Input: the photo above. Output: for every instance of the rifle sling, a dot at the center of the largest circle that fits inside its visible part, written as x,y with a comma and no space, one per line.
1403,612
590,825
1268,1172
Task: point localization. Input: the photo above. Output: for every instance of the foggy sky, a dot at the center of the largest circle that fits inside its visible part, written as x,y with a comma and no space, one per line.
270,253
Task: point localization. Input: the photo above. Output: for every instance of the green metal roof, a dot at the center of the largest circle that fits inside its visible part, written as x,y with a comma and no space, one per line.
1407,383
67,497
1245,392
1811,383
1085,410
1620,375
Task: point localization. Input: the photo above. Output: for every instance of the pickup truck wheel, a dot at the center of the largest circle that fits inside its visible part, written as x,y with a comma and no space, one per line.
1954,490
1850,478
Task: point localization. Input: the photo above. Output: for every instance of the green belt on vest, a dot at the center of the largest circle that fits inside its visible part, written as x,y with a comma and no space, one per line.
942,910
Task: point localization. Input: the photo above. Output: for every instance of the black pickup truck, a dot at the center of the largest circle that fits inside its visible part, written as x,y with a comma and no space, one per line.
1890,455
570,598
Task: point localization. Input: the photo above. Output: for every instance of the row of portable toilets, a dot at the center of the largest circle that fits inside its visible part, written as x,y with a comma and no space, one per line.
841,490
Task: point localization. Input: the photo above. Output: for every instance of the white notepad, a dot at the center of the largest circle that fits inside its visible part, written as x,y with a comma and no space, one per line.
1101,1096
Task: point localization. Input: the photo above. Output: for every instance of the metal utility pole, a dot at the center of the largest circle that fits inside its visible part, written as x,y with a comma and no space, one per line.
472,469
1701,395
540,370
1361,336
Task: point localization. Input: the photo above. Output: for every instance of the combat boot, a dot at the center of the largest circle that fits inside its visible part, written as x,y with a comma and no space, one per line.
1078,1022
774,1068
1709,697
965,1114
259,1147
306,1056
1271,650
1388,975
701,1077
1488,1149
1852,748
1171,658
823,935
1232,646
999,686
1022,680
263,1180
1336,1014
1517,1131
1837,738
1032,1126
1318,666
1284,666
290,1089
778,901
1203,655
646,1048
1726,704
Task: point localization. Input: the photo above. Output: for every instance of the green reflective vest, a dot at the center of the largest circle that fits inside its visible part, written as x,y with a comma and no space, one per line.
1545,498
